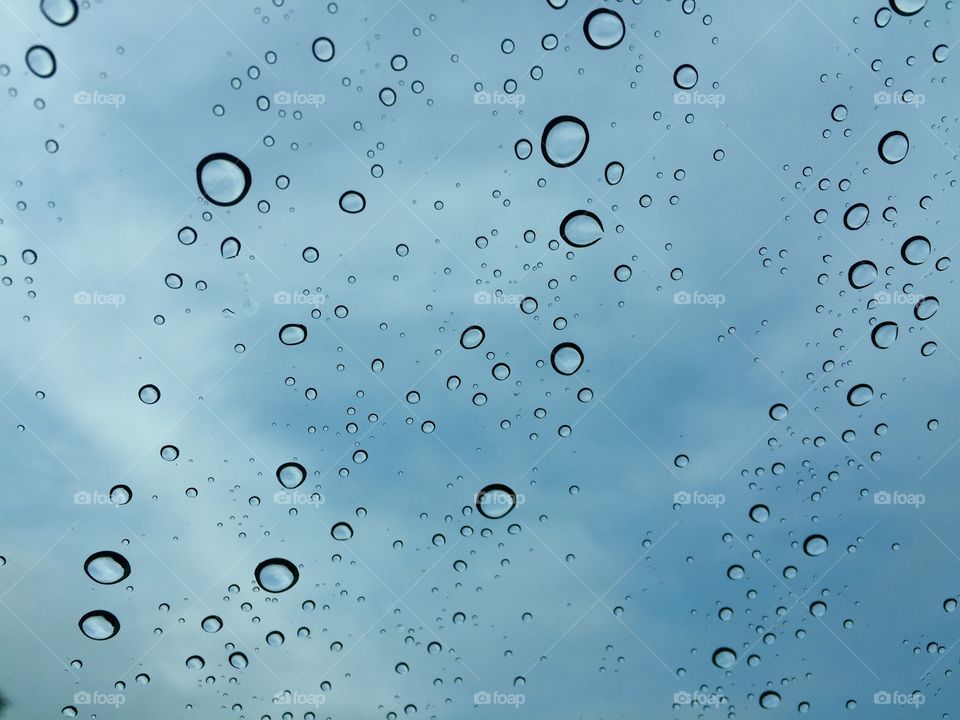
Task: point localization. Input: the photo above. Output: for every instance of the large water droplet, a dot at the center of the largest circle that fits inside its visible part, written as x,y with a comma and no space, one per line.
862,274
724,657
238,660
884,335
613,173
581,228
149,394
926,308
815,545
860,395
293,334
211,624
564,141
915,250
685,77
604,29
99,625
41,61
566,358
341,531
352,202
893,147
323,49
495,501
291,475
856,216
107,567
276,575
907,7
769,700
759,513
472,337
224,179
59,12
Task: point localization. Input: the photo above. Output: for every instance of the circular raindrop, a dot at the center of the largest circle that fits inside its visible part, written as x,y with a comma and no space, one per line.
862,274
778,412
224,179
341,531
120,494
926,308
893,147
149,394
107,567
915,250
276,575
581,228
759,513
293,334
211,624
238,660
566,358
860,395
496,501
229,248
724,658
685,77
613,173
907,7
769,700
472,337
815,545
604,29
856,216
99,625
41,62
564,141
884,335
323,49
59,12
291,475
352,202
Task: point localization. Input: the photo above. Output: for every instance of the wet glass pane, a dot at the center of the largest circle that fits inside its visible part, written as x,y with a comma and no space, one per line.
375,359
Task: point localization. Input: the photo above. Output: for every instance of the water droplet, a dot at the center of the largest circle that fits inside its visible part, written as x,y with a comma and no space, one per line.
613,173
120,494
681,461
323,49
276,575
769,700
238,660
856,216
291,475
862,274
778,412
884,335
341,531
496,501
566,358
472,337
893,147
59,12
860,395
581,228
815,545
604,29
293,334
352,202
685,77
107,567
907,7
149,394
564,141
229,248
99,625
169,452
622,273
724,658
224,179
211,624
41,62
195,662
915,250
759,513
926,308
